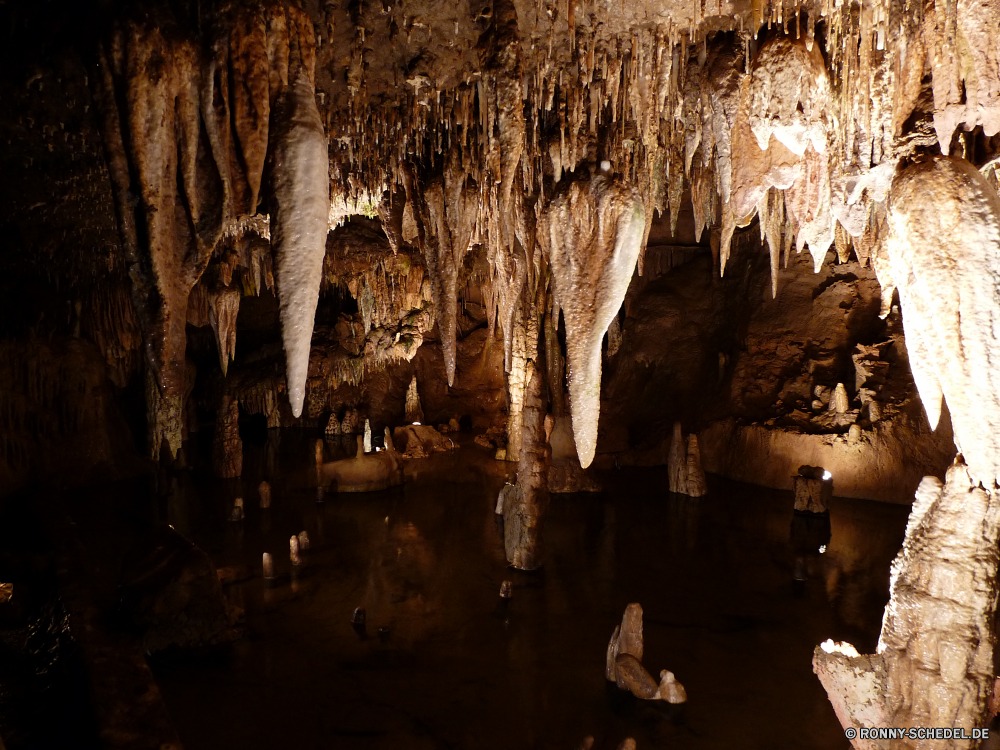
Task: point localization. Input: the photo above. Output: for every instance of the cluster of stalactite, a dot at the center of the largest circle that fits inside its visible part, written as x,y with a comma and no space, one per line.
740,112
186,128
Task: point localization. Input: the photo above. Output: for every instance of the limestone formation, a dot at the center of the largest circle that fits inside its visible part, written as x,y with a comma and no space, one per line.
446,209
302,197
942,255
934,661
420,441
414,411
813,489
366,472
591,233
268,564
523,517
627,639
696,483
677,462
839,401
684,471
624,663
265,494
368,437
227,447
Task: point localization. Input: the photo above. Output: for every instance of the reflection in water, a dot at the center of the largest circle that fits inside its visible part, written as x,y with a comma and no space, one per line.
441,661
809,538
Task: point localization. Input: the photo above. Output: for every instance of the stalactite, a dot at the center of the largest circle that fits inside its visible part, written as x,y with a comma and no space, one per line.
163,120
250,94
447,209
299,226
224,306
942,254
503,71
591,233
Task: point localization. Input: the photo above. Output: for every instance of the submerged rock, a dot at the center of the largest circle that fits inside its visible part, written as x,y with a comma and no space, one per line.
366,472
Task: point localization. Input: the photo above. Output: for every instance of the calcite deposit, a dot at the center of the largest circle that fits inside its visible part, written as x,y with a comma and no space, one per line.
561,230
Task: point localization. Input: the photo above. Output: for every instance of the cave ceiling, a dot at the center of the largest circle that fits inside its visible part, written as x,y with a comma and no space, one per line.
154,149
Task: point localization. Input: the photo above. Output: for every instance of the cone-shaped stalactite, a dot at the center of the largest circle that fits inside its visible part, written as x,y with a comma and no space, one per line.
299,227
447,207
592,233
942,254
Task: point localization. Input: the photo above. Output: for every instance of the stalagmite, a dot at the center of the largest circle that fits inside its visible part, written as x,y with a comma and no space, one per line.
942,253
591,232
522,520
414,411
265,494
368,437
696,484
670,689
299,226
934,662
838,401
227,447
677,462
268,564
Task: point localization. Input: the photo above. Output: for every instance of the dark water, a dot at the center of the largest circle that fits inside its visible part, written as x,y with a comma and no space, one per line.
714,576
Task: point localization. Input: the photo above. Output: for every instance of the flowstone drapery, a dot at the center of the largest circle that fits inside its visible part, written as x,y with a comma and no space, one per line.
591,233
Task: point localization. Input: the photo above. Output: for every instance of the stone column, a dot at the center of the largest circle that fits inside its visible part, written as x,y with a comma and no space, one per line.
227,448
522,520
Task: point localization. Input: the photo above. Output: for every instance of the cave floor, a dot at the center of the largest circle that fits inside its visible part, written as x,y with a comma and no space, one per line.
714,576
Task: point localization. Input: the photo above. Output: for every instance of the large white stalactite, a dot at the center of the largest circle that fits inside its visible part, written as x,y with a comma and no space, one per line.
592,233
942,254
299,228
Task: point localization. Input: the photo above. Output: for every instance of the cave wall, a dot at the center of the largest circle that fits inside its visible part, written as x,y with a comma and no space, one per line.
742,369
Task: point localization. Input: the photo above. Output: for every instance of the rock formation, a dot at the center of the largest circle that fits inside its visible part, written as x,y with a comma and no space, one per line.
592,233
685,475
928,668
394,192
624,663
366,472
523,517
302,198
414,412
227,447
942,254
